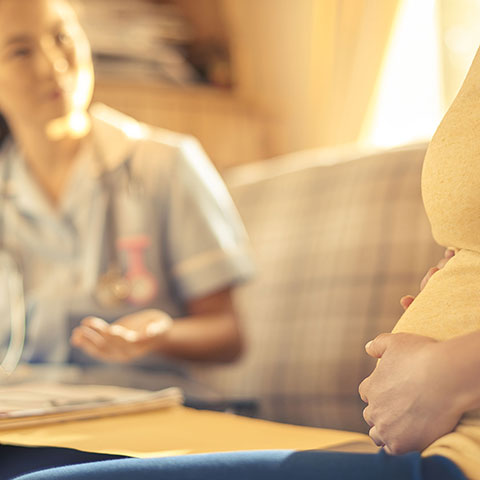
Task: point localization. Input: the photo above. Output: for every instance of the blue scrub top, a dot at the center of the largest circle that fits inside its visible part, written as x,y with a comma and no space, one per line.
165,192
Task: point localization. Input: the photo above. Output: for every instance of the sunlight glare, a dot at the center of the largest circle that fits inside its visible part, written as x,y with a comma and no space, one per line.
407,105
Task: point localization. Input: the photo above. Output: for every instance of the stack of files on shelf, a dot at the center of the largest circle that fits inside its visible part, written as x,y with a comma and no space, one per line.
138,38
39,403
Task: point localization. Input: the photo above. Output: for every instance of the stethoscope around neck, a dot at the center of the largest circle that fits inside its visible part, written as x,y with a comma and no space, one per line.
13,282
12,279
136,286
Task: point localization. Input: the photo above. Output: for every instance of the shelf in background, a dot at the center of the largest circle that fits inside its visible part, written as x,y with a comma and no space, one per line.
228,129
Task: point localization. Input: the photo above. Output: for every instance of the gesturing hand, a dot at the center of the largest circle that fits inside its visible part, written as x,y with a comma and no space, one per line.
129,338
408,394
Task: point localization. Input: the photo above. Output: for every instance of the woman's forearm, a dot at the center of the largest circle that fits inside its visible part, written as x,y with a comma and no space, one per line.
208,337
460,359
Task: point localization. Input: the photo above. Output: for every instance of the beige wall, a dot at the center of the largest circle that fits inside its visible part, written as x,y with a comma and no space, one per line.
309,65
229,131
303,70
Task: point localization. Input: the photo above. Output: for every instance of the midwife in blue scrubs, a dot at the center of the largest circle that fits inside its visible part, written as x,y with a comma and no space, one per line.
127,240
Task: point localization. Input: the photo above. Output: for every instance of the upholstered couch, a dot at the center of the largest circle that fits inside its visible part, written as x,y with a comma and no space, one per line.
338,237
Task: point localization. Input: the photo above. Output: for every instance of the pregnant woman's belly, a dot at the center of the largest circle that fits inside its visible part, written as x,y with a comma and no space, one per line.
451,177
450,306
450,303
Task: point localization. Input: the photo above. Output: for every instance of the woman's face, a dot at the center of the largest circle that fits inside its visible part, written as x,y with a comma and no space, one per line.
45,62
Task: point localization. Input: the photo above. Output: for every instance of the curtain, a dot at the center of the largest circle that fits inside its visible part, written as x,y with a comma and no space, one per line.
308,66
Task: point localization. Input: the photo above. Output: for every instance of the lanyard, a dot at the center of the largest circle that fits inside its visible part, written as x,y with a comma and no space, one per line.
137,285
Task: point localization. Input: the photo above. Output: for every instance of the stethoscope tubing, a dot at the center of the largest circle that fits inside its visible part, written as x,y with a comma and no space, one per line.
15,292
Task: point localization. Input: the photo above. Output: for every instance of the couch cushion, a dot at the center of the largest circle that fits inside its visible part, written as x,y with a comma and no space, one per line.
336,245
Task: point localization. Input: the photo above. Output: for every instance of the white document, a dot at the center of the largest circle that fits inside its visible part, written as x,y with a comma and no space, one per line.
29,404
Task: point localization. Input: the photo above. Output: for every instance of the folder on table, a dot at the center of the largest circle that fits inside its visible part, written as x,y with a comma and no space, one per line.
34,404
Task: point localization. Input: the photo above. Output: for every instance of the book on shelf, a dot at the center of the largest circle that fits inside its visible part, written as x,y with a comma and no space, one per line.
39,403
139,38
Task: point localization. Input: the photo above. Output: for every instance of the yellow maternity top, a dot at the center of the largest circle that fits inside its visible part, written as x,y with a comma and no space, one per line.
450,303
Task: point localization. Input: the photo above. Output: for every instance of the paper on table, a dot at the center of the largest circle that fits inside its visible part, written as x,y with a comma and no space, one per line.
30,404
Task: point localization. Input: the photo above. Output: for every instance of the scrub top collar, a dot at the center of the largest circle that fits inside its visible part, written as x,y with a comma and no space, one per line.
115,136
113,139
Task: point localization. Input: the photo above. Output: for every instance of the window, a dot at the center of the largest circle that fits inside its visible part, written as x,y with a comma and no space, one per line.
431,47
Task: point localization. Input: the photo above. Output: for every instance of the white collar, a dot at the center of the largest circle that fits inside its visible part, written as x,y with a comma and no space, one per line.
115,135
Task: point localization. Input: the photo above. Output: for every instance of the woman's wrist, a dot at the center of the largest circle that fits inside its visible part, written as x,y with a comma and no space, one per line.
158,330
458,362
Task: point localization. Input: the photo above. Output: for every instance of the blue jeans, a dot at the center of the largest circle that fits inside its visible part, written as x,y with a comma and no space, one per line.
252,465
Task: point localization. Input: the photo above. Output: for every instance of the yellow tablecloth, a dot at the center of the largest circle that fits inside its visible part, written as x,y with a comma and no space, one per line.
180,430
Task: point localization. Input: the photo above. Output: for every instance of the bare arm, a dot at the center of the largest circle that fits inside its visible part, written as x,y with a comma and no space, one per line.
210,333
